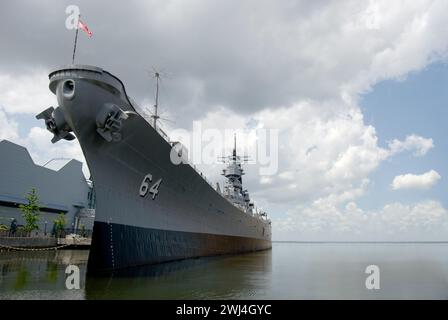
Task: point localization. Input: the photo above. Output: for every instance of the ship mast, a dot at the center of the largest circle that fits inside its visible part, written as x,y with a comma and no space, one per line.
155,116
233,189
234,146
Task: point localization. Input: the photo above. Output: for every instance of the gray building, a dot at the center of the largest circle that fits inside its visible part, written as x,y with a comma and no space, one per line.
59,191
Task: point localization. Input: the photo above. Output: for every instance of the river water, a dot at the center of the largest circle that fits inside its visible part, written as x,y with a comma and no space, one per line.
288,271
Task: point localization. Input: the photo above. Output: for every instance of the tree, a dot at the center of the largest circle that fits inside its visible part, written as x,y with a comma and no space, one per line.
83,230
59,224
30,211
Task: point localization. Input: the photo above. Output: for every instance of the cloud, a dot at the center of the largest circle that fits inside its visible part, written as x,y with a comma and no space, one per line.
324,220
9,129
25,93
226,53
38,142
299,67
414,181
322,150
418,144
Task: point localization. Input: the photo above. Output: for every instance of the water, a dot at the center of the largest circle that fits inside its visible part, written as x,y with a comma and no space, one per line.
288,271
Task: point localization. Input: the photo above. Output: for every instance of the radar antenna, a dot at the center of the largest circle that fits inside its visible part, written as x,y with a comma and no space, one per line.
234,158
233,189
156,116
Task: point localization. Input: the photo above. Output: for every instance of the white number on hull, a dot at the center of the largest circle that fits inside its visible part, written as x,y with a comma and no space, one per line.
154,190
144,187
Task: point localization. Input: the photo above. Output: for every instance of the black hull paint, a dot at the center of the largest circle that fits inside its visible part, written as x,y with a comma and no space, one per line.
116,246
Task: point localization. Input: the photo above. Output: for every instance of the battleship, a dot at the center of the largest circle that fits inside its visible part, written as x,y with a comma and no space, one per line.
149,208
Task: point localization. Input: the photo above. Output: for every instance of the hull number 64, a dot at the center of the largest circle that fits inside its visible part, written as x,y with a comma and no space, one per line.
145,187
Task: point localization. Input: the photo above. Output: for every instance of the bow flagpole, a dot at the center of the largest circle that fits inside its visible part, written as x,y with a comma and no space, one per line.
80,25
76,39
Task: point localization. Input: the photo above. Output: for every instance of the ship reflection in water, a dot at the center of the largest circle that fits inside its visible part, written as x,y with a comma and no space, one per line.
222,277
288,271
41,275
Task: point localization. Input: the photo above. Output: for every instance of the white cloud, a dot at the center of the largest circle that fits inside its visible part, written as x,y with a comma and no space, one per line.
323,149
38,142
28,94
326,155
25,93
277,55
324,220
418,144
9,129
402,37
298,67
414,181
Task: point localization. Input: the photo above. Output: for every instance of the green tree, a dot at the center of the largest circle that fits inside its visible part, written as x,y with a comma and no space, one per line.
59,224
30,211
83,230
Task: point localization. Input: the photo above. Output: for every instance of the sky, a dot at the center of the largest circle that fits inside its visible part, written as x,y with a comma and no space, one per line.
356,89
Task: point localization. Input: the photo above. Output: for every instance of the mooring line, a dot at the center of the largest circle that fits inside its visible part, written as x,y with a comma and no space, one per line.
34,249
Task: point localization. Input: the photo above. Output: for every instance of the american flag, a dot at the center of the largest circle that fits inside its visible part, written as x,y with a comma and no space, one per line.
83,26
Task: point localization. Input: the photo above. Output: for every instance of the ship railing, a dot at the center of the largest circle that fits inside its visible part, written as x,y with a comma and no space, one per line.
201,174
20,233
7,233
145,116
260,214
165,136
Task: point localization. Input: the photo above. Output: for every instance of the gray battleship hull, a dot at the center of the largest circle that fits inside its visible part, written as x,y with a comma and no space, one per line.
186,218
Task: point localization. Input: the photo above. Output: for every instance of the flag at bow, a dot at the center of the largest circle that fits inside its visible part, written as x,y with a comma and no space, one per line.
83,26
